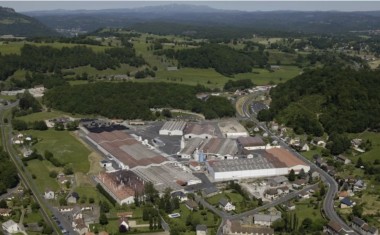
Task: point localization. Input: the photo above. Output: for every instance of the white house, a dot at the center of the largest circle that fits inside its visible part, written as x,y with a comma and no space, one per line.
226,205
49,194
305,147
201,229
11,227
180,195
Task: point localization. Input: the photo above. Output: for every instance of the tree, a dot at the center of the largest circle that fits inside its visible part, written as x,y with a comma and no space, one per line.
278,225
3,204
53,174
359,163
166,113
292,175
19,125
39,125
103,219
150,192
302,174
58,126
357,210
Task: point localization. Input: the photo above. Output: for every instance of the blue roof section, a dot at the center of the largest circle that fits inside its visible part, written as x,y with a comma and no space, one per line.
346,201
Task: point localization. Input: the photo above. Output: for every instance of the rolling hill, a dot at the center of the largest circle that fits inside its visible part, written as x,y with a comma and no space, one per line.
13,23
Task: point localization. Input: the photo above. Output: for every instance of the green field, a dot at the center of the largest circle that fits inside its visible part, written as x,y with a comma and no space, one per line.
373,154
41,169
41,116
304,209
64,146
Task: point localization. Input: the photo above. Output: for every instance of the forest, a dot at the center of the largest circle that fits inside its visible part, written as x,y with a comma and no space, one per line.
8,173
336,99
44,59
130,100
225,60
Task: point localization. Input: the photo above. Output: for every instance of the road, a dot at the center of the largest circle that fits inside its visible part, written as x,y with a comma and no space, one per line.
24,175
328,203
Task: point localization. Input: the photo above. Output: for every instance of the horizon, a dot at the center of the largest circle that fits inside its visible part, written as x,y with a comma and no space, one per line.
247,6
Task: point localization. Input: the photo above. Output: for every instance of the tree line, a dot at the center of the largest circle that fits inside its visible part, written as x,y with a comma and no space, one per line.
224,59
43,59
130,100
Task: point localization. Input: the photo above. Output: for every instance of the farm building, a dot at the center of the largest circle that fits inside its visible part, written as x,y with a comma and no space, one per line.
173,128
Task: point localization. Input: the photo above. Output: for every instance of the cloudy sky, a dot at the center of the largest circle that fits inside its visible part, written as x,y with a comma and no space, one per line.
326,5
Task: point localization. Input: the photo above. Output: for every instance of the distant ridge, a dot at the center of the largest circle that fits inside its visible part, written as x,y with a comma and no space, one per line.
13,23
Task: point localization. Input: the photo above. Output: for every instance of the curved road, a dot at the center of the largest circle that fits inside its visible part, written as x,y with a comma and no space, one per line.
328,203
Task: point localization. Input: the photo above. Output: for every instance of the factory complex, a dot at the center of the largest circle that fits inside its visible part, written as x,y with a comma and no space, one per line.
220,151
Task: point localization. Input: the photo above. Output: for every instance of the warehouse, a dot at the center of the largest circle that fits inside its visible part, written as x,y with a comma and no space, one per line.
251,143
222,148
200,130
232,129
262,164
173,128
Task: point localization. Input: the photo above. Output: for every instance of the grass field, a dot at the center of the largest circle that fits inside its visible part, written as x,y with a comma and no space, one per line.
41,116
373,154
64,146
305,209
41,170
15,47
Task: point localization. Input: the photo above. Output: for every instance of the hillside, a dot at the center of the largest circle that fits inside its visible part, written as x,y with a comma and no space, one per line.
200,20
339,100
13,23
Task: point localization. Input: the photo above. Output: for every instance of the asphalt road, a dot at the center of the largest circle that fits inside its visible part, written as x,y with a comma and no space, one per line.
328,203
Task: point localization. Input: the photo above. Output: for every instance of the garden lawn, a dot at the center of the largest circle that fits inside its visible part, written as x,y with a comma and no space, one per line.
304,209
41,169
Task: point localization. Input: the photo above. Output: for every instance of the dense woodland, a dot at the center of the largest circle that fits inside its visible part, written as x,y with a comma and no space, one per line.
8,173
131,100
45,59
337,100
223,59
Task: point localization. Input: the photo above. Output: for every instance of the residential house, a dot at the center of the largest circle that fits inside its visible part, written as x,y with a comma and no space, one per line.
195,166
333,228
237,228
123,222
346,202
362,227
315,175
289,206
265,220
359,185
331,170
356,142
343,159
180,195
226,205
71,200
49,194
304,195
5,212
343,194
305,147
320,162
201,229
62,178
209,192
271,193
282,190
191,205
11,227
78,223
279,180
299,183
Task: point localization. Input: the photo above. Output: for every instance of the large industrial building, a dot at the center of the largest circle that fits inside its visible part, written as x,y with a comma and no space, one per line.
170,175
173,128
201,130
124,149
251,143
121,185
231,128
222,148
273,162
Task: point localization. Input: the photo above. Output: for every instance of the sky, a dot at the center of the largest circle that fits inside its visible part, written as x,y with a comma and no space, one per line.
23,6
